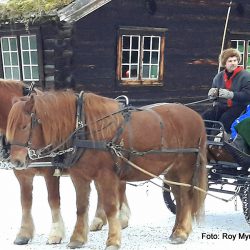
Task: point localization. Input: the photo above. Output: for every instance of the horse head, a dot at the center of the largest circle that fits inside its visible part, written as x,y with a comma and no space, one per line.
38,122
23,129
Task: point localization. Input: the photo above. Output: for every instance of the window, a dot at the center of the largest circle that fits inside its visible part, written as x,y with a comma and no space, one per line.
11,68
244,47
20,57
140,56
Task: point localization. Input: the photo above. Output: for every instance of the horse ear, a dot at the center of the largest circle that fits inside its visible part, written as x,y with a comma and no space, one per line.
29,104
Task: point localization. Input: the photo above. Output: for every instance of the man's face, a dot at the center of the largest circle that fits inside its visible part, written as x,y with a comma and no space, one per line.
231,63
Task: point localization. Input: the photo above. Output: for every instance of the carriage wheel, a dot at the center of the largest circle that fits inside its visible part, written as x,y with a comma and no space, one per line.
246,201
169,199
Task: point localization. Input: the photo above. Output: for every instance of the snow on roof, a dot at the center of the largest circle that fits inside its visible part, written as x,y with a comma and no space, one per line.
79,9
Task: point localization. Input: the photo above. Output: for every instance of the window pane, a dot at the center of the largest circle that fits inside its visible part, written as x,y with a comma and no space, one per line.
134,57
14,58
154,58
154,71
27,73
35,72
33,42
125,71
234,44
16,74
125,42
147,42
146,56
135,42
241,46
26,58
6,59
145,71
34,57
125,57
155,43
24,43
248,61
7,73
133,71
13,45
5,44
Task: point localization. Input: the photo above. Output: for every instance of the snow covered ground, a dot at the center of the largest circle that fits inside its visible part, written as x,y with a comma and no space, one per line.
150,223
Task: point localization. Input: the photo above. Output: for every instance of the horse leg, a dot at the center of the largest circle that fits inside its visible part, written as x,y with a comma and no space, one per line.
80,233
109,187
100,218
124,207
26,231
176,192
57,231
183,221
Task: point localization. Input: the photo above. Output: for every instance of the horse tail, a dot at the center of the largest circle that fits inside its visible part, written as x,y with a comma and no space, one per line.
200,180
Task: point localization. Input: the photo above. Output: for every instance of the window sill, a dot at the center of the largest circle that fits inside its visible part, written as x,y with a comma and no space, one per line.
140,84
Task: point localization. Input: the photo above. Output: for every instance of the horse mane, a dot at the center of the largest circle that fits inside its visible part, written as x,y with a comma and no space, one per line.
99,112
11,85
57,112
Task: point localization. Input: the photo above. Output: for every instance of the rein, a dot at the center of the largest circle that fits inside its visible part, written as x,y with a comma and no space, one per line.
120,155
200,101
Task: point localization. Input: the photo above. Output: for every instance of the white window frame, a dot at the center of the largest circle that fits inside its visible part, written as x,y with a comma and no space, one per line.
151,51
140,64
30,65
10,51
245,53
20,51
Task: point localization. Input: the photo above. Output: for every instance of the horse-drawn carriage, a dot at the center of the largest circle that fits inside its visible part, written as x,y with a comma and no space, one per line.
228,169
105,142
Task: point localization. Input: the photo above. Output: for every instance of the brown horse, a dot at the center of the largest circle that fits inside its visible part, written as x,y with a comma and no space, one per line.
154,138
10,89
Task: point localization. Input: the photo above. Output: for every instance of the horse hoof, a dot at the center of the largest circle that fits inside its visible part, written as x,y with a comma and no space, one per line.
54,240
21,241
177,239
75,244
113,247
96,224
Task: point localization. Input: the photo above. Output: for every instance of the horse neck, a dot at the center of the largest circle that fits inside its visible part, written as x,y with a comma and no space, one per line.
6,96
56,108
101,116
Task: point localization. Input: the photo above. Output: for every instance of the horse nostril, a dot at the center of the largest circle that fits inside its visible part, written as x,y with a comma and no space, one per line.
16,163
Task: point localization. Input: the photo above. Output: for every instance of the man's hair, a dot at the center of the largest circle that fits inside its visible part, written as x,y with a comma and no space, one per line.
225,54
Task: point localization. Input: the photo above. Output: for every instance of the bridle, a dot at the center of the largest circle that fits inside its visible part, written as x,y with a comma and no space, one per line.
34,122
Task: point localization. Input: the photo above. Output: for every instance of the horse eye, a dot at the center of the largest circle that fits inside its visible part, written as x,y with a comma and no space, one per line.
24,127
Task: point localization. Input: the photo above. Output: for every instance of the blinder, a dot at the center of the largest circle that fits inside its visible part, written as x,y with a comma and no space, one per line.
4,148
34,122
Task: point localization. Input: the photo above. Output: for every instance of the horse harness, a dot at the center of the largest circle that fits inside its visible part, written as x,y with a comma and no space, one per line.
63,159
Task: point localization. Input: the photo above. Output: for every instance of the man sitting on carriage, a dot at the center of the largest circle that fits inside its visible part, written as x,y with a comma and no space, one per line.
230,90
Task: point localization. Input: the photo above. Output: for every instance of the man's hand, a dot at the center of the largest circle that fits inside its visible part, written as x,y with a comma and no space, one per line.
227,94
213,92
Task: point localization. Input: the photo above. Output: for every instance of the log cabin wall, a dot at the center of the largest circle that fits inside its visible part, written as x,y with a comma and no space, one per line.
83,55
192,43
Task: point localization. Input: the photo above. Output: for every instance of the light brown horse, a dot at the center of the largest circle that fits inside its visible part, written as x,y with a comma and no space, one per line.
145,136
10,89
